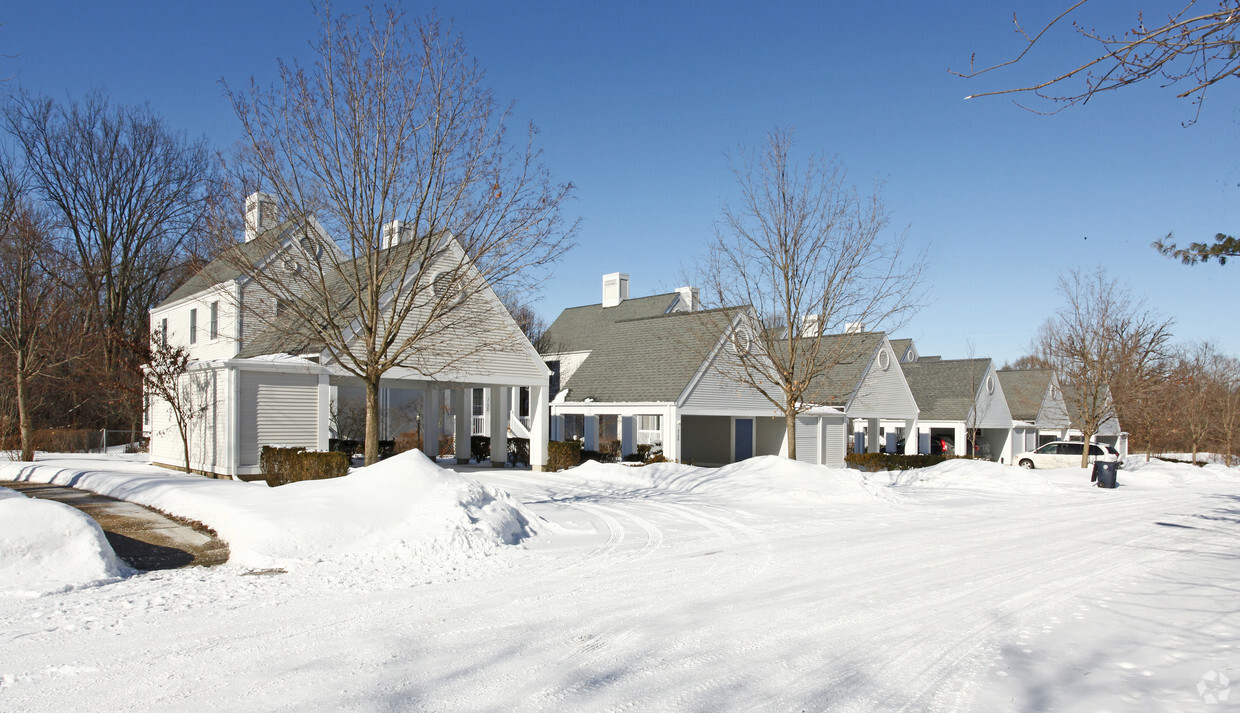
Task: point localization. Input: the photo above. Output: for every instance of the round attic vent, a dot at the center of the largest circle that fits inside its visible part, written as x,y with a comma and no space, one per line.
884,360
741,341
990,384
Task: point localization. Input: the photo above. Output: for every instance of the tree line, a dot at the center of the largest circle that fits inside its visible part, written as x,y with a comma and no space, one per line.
102,213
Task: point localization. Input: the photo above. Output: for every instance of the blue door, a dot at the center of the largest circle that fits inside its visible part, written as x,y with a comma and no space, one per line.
743,439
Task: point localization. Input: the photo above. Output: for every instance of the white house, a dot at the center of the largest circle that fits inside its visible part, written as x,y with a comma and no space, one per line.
644,372
960,399
1040,413
265,381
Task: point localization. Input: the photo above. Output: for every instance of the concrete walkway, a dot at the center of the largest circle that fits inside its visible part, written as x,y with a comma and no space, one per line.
143,538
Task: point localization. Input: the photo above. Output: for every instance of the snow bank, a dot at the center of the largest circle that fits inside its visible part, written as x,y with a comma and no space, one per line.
763,480
974,475
47,546
1163,474
404,508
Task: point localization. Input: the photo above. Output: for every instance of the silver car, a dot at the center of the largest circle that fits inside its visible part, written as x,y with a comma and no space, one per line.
1065,454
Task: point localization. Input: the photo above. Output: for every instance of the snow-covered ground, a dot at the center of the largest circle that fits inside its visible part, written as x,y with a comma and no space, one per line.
764,586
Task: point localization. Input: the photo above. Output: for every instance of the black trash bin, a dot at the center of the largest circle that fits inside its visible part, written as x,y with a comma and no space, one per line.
1104,473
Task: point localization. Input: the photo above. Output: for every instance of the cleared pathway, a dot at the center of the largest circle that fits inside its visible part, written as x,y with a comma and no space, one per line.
143,538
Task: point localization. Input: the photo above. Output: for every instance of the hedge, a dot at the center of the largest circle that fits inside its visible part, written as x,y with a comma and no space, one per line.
281,466
563,454
894,461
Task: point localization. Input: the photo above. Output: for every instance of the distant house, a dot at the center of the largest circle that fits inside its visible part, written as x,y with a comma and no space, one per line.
1041,414
642,372
961,400
867,386
270,381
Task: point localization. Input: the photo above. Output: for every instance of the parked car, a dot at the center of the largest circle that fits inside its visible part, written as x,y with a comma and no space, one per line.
1065,454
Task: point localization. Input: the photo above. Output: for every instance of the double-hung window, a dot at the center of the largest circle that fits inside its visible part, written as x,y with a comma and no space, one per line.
213,326
650,430
193,326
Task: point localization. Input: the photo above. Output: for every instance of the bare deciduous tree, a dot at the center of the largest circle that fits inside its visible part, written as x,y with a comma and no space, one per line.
811,255
167,376
1096,342
1225,403
391,144
33,301
131,194
1192,48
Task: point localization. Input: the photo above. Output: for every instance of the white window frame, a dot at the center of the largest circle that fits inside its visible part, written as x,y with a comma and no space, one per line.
193,326
648,435
213,326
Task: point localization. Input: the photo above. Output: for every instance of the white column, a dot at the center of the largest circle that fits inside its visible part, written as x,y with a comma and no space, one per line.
911,437
628,434
462,413
591,434
499,426
432,402
325,413
872,441
540,424
962,447
671,436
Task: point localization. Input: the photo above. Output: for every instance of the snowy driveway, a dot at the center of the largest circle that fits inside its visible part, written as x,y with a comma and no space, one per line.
686,597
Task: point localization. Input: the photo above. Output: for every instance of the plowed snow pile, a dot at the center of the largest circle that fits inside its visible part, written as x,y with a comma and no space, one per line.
47,547
403,508
765,480
974,475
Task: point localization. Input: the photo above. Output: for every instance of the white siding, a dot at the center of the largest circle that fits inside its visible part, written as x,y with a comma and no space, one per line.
992,408
224,345
716,393
833,441
277,409
884,393
808,449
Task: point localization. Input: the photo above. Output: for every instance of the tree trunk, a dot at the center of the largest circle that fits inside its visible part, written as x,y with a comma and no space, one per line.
1085,449
791,419
23,412
183,427
372,421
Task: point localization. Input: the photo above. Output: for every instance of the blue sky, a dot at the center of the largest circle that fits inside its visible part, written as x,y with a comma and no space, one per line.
639,102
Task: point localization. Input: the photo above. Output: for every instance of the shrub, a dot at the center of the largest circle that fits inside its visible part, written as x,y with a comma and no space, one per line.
519,450
563,454
480,448
894,461
348,446
281,466
610,451
408,441
447,446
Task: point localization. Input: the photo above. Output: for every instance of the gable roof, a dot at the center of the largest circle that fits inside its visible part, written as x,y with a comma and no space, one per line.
582,329
900,347
1025,390
648,358
855,352
946,390
226,267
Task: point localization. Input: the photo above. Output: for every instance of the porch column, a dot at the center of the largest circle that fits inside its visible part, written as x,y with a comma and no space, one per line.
499,426
325,410
628,435
591,434
962,447
432,402
911,437
462,410
872,444
671,436
540,423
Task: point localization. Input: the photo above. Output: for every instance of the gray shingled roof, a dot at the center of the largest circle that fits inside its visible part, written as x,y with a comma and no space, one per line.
945,390
225,268
1024,390
647,359
581,329
900,346
854,352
